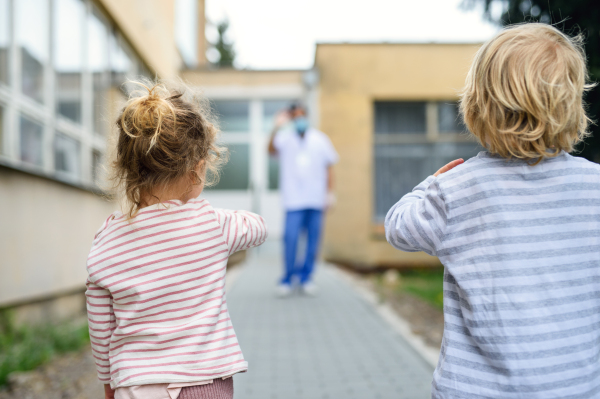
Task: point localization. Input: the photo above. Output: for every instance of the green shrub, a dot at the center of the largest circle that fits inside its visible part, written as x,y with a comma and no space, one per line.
25,348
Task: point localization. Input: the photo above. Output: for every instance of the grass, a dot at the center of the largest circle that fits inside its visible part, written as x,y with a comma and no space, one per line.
25,348
426,284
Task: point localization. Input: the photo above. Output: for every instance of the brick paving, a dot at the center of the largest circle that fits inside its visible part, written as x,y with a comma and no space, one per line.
330,346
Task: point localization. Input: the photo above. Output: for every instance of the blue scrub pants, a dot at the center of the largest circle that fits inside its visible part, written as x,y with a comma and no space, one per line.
308,220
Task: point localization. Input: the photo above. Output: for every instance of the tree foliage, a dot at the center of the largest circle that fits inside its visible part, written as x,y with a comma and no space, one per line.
572,17
224,46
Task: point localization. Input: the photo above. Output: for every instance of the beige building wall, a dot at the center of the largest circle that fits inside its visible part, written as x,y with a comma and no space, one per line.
149,27
46,232
47,227
352,77
240,79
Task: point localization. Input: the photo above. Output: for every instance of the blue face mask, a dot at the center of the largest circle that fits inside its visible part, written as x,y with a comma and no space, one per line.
301,124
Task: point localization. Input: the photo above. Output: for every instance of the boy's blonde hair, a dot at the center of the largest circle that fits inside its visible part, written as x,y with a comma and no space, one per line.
523,96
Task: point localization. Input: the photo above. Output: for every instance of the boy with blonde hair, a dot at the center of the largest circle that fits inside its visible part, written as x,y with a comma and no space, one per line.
517,228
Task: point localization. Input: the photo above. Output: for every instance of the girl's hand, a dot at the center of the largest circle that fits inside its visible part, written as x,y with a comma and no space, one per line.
449,166
109,393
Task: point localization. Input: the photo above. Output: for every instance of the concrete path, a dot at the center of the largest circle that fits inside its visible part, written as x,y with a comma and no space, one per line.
331,346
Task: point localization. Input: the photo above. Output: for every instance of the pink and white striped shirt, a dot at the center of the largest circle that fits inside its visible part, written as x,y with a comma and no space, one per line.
156,293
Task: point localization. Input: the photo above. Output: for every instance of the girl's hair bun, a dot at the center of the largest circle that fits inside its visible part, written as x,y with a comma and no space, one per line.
145,113
163,133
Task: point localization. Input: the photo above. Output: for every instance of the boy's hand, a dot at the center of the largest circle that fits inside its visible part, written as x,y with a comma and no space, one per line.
449,166
109,393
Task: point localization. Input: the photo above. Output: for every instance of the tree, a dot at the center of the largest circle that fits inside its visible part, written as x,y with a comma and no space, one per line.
224,46
572,17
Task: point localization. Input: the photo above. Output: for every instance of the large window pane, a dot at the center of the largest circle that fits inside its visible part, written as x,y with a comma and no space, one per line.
233,115
1,130
236,173
68,56
121,63
97,171
31,141
449,120
4,39
270,109
399,117
32,40
273,173
399,168
66,155
98,65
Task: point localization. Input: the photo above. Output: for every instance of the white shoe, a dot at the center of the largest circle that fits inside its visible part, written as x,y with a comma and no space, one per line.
284,290
309,289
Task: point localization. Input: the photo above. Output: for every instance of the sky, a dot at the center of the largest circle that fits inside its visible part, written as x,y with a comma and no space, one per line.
281,34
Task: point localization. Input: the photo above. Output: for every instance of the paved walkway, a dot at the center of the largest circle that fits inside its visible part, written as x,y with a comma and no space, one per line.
331,346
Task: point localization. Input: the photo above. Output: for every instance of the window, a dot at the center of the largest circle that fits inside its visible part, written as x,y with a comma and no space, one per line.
32,27
397,117
186,30
31,141
120,61
233,115
67,52
98,66
449,120
2,130
270,110
97,171
68,56
236,173
66,156
4,39
412,141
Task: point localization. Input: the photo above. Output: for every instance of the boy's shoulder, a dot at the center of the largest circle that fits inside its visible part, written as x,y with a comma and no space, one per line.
468,167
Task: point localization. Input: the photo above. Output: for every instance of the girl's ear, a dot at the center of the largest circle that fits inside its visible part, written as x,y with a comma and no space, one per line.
197,174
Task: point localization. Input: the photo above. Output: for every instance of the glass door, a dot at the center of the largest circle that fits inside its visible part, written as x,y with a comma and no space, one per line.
250,179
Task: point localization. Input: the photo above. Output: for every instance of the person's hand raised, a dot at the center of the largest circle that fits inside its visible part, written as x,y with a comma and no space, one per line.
448,166
281,118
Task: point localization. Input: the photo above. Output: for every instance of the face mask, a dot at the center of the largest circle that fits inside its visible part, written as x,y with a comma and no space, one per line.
301,124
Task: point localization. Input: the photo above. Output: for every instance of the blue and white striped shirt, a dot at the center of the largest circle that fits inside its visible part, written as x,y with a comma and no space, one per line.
521,250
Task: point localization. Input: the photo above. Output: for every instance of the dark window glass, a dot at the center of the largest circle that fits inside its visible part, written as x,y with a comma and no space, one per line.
400,117
32,40
121,64
270,110
233,115
400,167
449,120
69,17
98,65
31,141
273,173
66,155
1,130
4,39
236,173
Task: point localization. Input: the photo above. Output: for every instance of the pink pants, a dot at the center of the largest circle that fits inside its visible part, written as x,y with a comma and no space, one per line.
219,389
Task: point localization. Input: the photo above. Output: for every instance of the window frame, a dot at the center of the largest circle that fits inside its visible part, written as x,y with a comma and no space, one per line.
432,136
16,103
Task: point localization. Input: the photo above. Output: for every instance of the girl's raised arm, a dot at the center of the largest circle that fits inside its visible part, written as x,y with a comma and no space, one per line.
241,229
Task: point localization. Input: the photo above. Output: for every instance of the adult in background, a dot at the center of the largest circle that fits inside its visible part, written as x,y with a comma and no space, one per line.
306,157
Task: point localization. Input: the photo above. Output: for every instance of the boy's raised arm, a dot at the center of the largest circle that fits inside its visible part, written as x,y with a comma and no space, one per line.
418,221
